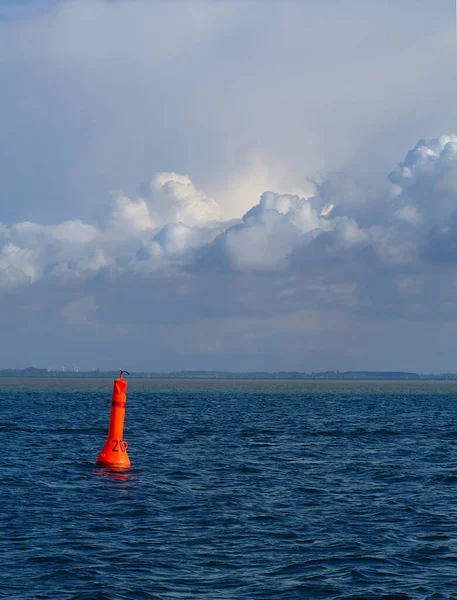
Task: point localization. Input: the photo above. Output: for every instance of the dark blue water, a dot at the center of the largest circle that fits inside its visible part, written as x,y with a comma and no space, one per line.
268,490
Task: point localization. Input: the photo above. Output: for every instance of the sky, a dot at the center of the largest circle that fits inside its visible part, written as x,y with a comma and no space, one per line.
227,185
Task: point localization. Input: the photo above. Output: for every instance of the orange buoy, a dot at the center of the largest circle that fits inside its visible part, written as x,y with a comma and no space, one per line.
114,452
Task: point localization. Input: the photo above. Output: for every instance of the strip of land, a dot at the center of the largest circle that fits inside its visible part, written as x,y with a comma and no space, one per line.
96,373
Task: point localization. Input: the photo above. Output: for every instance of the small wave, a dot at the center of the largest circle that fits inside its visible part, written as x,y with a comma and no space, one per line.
446,478
263,518
13,427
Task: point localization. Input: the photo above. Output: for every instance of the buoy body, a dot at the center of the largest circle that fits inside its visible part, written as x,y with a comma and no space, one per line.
114,452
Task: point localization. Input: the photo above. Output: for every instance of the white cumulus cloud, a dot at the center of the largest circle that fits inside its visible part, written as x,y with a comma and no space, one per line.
172,223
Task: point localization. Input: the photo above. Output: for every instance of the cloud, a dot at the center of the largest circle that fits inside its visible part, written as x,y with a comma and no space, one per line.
425,183
175,225
177,200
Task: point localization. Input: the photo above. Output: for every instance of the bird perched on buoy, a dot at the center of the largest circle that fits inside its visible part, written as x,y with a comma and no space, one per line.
114,452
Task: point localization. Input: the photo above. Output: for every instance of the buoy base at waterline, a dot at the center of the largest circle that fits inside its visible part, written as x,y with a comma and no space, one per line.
114,454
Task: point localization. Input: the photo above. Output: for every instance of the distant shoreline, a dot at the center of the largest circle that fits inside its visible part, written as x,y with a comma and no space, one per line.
32,372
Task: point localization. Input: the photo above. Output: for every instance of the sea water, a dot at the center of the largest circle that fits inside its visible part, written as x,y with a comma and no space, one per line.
238,489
